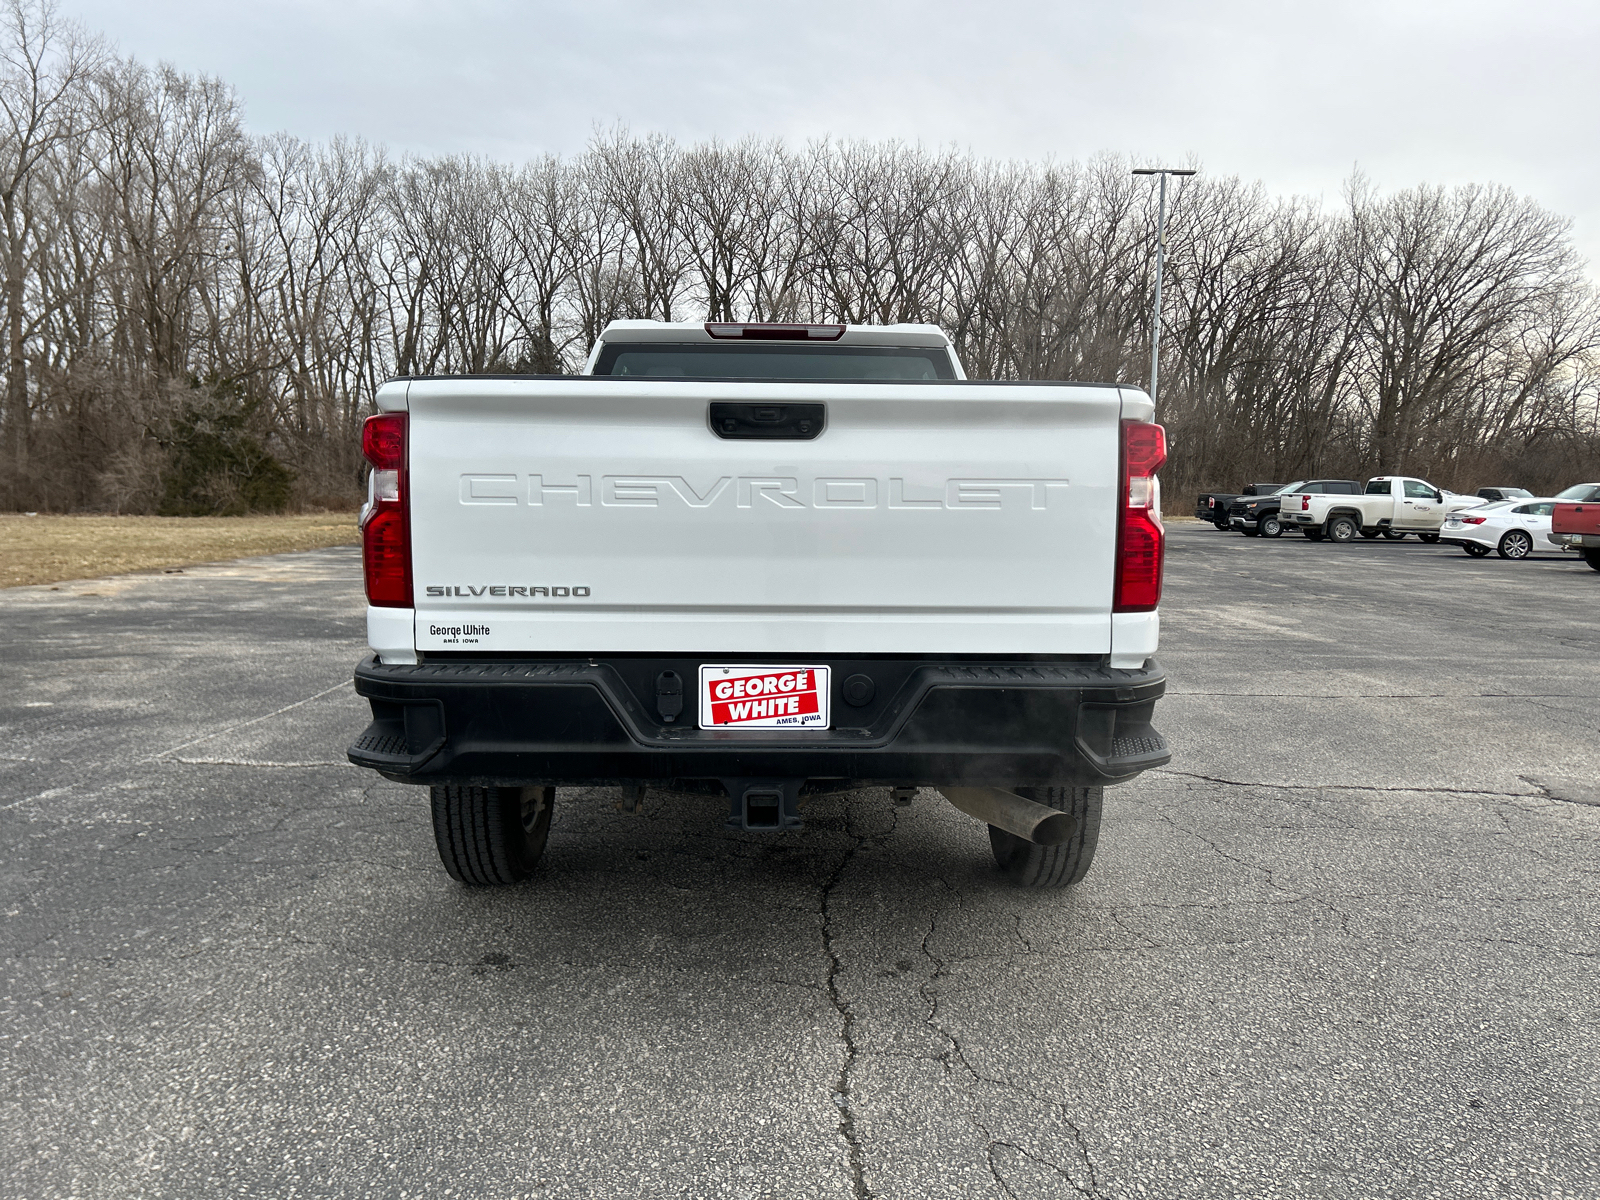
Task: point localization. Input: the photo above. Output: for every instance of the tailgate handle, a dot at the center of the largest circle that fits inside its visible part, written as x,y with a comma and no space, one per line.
792,422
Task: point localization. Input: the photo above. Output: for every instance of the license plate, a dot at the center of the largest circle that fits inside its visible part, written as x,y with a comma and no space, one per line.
746,697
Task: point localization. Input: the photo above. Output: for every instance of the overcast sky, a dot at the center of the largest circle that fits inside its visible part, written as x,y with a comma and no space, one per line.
1294,95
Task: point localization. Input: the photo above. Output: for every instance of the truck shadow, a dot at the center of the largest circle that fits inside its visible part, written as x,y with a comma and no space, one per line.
670,891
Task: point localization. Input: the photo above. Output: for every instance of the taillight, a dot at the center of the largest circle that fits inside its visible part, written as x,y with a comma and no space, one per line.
1305,503
1141,540
1473,520
385,522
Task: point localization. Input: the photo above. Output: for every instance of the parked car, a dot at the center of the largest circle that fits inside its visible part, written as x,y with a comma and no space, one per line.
1504,493
1505,527
1392,505
1581,493
1257,516
1213,506
660,574
1576,525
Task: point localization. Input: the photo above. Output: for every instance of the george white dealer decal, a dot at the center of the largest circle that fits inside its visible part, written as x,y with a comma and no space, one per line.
755,491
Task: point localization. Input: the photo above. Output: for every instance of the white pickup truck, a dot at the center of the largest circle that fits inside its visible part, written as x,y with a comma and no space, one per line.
1391,506
765,561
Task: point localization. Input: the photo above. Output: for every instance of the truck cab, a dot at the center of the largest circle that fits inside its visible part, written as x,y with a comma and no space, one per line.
748,350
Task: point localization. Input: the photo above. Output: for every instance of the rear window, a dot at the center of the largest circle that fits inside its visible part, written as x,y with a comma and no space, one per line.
744,361
1378,487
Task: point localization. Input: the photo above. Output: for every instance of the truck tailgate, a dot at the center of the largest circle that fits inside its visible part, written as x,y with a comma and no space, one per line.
1575,518
602,515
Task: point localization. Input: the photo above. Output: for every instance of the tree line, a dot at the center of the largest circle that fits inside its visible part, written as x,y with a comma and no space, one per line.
196,319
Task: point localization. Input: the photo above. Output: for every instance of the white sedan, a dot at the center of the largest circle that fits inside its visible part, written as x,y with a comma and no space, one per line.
1511,528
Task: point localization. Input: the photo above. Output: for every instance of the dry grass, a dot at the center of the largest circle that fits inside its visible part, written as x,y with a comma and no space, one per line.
48,549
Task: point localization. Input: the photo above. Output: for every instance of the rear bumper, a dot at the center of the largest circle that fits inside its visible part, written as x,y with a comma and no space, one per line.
1460,537
1576,541
596,721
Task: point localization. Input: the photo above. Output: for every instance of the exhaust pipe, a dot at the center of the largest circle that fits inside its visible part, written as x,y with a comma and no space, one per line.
1017,815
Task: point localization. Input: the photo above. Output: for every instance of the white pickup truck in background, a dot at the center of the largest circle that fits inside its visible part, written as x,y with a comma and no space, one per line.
766,561
1391,506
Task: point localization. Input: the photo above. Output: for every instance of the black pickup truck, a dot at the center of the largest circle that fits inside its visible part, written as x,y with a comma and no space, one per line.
1258,516
1213,506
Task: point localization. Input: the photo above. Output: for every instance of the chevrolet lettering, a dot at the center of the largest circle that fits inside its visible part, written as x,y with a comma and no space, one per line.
752,491
810,559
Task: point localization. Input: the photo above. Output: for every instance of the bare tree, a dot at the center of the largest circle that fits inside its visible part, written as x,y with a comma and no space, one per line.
45,66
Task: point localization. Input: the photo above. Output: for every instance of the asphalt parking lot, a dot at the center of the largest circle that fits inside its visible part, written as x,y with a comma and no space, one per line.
1346,946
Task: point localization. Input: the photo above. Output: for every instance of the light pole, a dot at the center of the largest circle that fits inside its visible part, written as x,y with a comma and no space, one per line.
1161,258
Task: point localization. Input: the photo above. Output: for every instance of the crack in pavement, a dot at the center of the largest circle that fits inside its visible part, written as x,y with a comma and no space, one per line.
1272,882
1092,1191
1549,791
1338,787
257,762
841,1087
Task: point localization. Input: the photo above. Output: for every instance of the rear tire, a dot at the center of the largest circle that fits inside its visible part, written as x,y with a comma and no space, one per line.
1027,864
1481,551
1369,534
1343,529
1394,535
1313,535
1591,555
1270,527
491,836
1515,544
1222,525
1430,538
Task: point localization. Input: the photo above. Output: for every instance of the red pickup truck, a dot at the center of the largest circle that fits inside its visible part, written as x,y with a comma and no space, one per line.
1576,522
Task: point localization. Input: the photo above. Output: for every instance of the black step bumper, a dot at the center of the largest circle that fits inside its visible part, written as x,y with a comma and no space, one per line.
595,721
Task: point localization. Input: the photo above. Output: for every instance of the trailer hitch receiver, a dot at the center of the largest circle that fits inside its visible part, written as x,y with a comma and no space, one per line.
763,805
